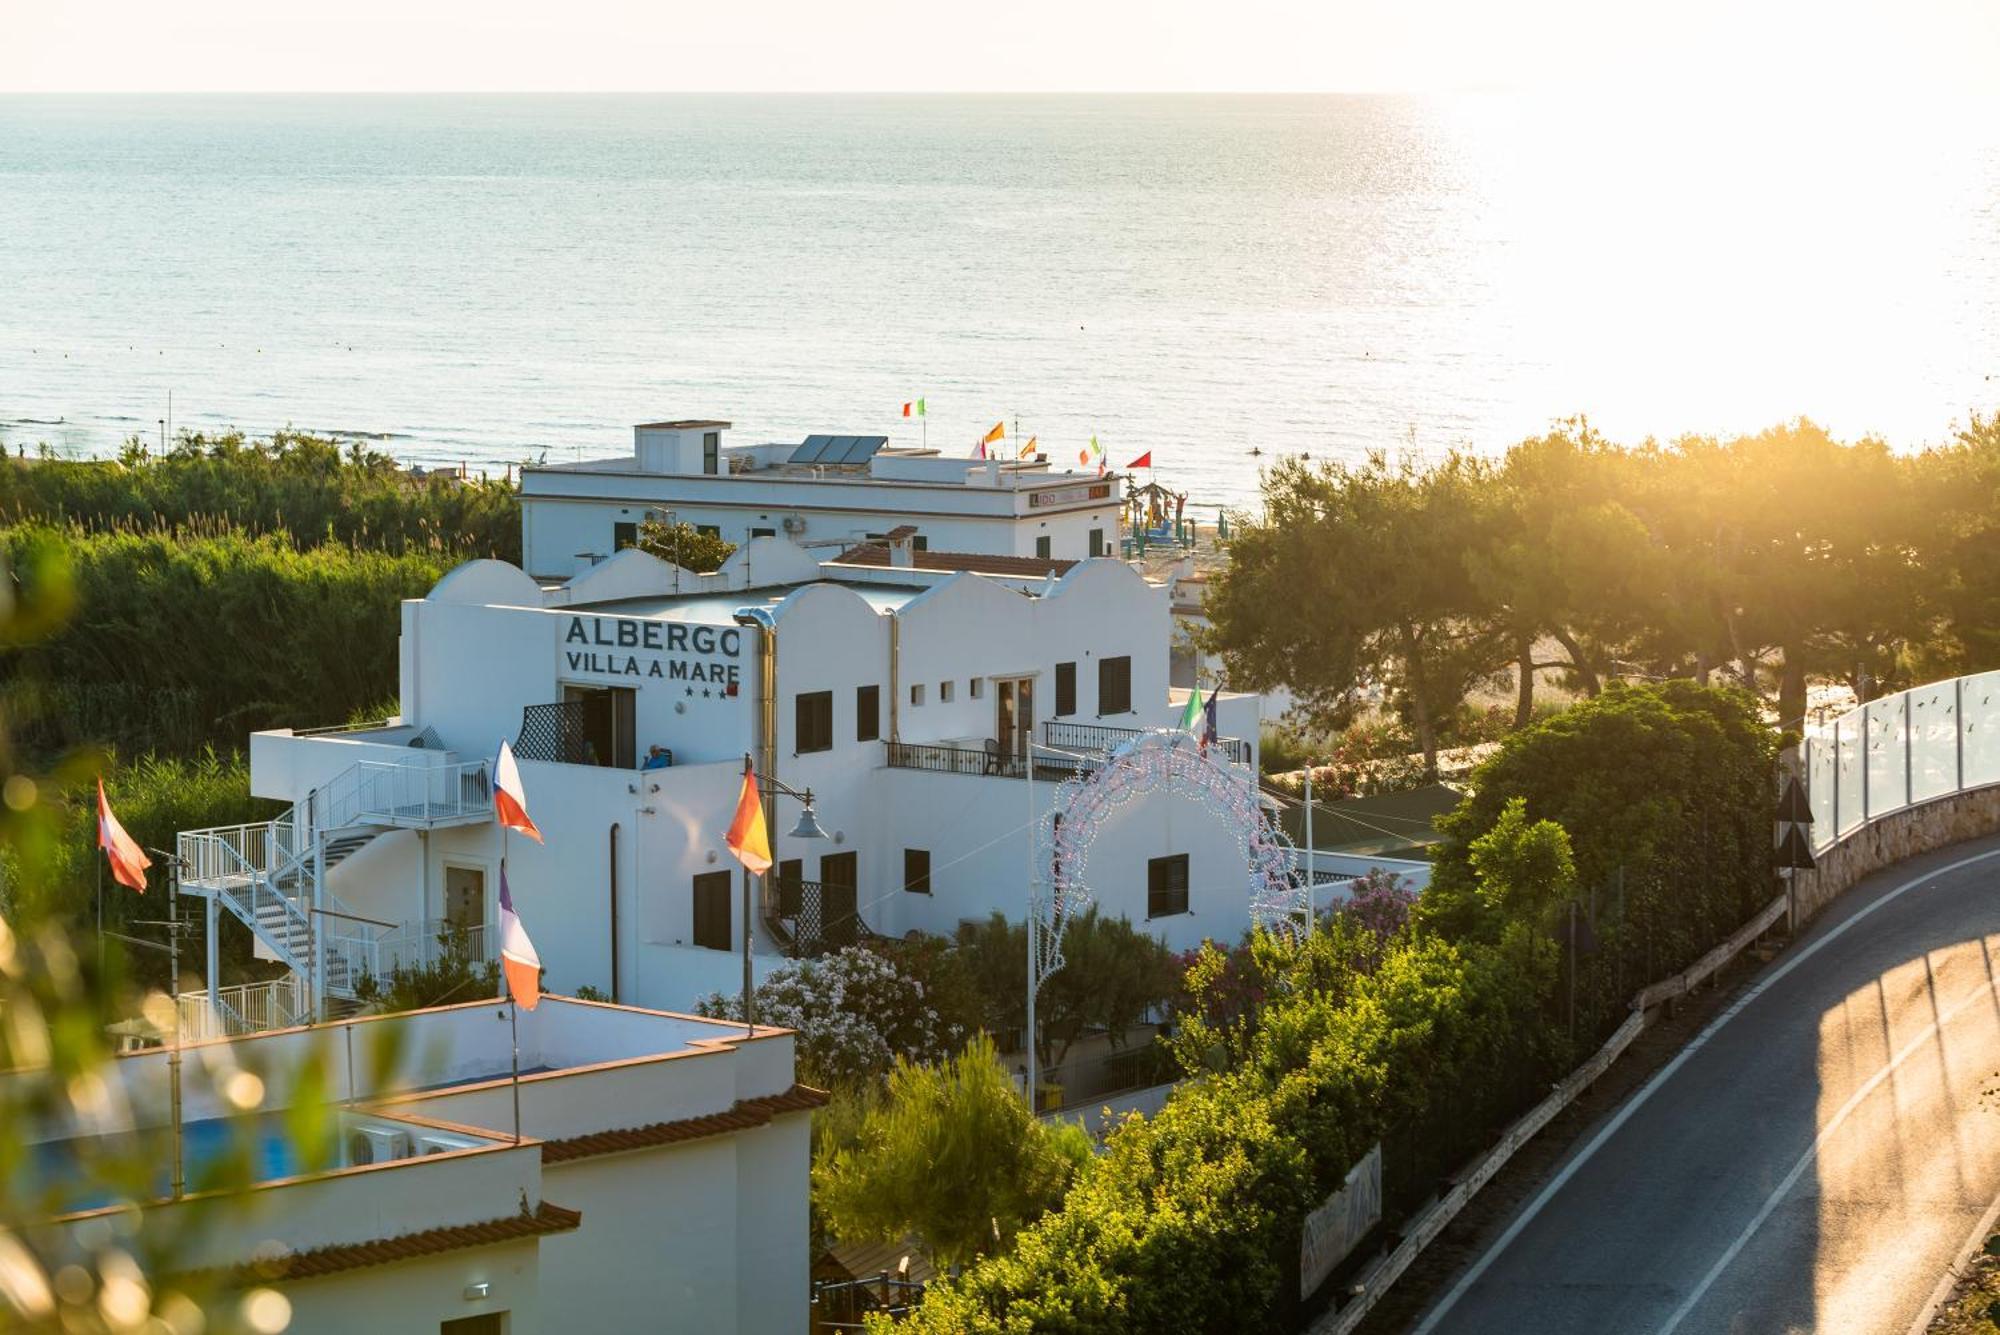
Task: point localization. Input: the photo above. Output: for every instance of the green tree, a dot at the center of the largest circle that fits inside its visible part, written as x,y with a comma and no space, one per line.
952,1156
1524,868
684,545
1113,974
1374,554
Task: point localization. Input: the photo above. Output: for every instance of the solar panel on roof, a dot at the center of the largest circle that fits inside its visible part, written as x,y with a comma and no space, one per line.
838,449
858,449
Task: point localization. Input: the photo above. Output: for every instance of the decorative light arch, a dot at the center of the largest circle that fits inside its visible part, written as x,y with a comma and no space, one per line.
1170,759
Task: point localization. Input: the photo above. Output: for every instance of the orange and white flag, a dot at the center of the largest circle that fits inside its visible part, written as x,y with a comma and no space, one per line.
519,963
128,860
748,838
510,800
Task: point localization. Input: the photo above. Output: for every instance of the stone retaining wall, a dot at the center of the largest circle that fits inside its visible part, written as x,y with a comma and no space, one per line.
1899,835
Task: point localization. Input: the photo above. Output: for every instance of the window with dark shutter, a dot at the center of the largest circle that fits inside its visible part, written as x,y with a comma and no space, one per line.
1167,886
1114,685
1065,689
812,721
917,870
711,910
867,713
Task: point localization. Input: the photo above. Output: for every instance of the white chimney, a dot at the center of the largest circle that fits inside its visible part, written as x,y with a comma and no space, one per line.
901,548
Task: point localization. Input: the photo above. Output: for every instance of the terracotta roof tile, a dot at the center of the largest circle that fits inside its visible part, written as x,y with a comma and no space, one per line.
547,1218
982,563
745,1115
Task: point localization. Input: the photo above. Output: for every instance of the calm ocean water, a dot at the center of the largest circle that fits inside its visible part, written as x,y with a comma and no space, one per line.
1217,280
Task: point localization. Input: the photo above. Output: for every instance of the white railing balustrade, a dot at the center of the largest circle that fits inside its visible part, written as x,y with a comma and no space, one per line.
245,1008
1900,751
378,793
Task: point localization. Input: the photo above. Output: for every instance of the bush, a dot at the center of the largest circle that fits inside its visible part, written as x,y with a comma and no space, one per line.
856,1014
304,487
451,975
179,644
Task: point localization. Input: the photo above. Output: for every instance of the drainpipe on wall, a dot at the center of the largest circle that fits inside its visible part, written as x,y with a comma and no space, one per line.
614,912
765,742
895,676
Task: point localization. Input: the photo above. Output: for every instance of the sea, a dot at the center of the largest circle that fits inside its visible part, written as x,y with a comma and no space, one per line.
1214,281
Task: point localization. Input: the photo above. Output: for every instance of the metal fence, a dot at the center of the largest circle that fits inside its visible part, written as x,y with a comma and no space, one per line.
996,761
1899,751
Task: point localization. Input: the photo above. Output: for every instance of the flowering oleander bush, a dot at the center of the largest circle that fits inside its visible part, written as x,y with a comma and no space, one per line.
855,1011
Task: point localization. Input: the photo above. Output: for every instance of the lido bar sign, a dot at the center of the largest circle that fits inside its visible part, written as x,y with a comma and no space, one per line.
667,651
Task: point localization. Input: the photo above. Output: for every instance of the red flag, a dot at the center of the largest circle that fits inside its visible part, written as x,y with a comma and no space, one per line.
128,860
747,838
906,410
1143,461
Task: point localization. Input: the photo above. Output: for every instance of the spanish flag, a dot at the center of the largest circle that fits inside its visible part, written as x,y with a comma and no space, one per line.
128,860
748,839
999,432
1028,450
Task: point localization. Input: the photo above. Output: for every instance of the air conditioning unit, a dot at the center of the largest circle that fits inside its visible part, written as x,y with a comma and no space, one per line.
377,1144
444,1144
795,523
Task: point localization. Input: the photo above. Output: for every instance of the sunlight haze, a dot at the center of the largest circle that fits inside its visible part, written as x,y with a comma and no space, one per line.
1034,46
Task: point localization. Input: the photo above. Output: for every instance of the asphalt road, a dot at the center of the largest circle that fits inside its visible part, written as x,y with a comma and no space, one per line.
1815,1159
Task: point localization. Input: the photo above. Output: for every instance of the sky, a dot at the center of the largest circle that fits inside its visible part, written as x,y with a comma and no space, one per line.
1690,48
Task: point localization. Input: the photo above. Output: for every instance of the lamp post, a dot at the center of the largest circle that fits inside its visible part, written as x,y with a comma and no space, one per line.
172,922
770,787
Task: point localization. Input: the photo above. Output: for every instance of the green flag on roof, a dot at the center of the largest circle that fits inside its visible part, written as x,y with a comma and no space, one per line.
1191,716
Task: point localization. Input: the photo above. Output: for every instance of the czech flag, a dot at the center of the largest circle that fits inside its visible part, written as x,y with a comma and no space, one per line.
519,963
510,800
748,838
128,860
1143,461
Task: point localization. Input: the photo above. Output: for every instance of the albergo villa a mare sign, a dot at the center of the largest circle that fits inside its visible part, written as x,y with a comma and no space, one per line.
654,650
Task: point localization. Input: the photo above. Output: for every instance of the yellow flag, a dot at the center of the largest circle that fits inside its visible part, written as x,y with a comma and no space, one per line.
997,433
1029,449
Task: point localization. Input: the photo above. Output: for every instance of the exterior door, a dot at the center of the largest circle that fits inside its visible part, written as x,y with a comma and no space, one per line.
465,898
838,874
1014,714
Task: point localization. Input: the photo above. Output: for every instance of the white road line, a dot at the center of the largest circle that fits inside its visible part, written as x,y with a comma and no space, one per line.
1665,1073
1980,1232
1934,1029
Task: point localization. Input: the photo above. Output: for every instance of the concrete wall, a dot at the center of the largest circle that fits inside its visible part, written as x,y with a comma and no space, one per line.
556,528
1902,834
415,1297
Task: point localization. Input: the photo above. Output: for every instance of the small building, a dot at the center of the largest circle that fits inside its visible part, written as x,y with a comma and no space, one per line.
932,702
656,1178
825,491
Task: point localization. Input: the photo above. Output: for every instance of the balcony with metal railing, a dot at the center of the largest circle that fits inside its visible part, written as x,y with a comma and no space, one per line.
1071,748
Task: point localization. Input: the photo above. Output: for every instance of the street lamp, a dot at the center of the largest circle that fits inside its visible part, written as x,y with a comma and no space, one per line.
771,787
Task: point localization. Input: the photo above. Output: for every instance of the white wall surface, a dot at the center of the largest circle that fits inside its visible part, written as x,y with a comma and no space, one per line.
415,1297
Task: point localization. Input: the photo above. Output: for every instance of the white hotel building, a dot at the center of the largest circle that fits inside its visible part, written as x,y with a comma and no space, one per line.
902,687
826,491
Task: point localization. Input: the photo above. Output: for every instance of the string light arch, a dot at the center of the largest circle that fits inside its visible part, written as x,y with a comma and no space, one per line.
1160,759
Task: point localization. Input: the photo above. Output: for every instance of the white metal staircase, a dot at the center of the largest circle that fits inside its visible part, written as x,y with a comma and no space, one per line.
272,875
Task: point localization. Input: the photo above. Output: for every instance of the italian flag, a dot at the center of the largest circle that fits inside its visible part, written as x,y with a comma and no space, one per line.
1191,716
